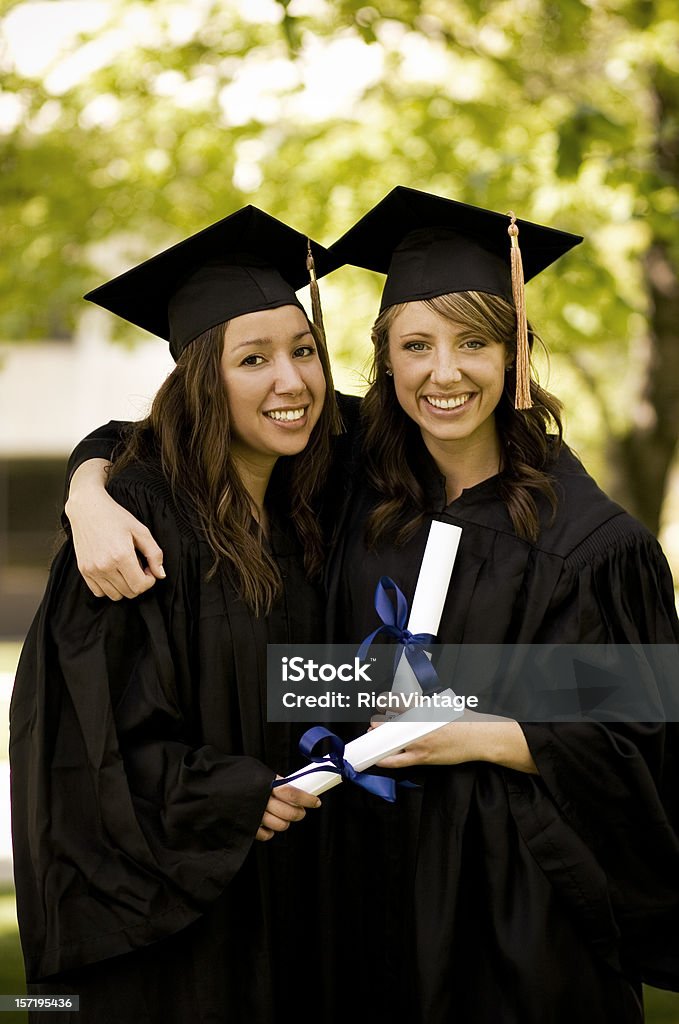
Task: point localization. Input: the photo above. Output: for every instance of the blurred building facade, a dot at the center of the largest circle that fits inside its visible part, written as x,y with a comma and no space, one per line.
52,393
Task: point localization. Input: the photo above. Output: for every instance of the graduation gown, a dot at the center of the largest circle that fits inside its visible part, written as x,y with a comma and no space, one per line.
501,897
486,894
141,764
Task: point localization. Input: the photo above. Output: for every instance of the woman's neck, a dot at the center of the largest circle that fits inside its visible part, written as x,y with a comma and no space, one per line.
466,462
255,476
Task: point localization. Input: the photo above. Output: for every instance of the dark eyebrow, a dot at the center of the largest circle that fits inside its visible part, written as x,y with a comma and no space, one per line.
253,341
268,341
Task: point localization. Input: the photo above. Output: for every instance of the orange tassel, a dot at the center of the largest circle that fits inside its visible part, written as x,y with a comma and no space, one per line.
316,311
522,399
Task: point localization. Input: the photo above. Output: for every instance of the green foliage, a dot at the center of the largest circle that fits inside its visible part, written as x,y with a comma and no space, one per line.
142,143
563,111
12,981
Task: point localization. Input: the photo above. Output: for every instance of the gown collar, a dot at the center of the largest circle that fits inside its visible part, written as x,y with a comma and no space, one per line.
434,483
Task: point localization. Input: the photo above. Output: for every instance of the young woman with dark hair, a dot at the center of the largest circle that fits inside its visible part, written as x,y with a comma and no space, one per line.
142,762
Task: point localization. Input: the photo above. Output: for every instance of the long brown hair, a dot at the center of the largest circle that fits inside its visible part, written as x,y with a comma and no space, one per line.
526,446
188,428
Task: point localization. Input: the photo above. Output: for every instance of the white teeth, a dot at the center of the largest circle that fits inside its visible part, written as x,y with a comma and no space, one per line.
448,403
286,414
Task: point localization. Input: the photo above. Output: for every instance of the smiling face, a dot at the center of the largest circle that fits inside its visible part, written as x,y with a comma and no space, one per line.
447,379
274,384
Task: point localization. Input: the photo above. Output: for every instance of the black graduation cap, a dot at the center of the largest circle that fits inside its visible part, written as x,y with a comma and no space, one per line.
244,263
428,245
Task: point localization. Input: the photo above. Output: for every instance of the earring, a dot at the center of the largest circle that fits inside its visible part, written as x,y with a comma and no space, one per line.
390,372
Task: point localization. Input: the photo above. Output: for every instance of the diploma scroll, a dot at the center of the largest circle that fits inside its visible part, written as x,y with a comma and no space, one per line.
430,595
425,617
365,751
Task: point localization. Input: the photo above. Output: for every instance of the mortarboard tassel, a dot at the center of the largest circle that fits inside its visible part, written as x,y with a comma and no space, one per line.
522,398
316,311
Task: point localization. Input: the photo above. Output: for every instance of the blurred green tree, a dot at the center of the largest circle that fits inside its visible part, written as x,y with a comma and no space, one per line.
154,119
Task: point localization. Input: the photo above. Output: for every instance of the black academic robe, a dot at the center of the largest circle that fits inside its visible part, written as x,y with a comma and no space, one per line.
141,764
486,894
501,897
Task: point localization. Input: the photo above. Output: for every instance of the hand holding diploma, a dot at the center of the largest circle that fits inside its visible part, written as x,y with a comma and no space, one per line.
286,805
361,753
472,737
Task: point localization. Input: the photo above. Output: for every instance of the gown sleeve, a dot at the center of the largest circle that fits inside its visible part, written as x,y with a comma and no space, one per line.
100,444
613,786
126,825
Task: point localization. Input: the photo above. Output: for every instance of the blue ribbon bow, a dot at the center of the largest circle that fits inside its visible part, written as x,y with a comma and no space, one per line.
394,624
335,761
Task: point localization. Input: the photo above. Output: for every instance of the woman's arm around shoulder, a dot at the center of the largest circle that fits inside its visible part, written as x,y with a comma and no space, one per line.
116,553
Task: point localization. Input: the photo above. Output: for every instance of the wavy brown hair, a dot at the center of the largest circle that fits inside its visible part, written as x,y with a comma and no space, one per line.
526,446
189,429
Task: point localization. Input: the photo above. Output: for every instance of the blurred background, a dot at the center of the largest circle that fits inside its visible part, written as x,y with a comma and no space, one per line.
126,125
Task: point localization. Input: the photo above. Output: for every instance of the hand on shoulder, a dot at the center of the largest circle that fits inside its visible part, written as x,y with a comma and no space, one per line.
109,540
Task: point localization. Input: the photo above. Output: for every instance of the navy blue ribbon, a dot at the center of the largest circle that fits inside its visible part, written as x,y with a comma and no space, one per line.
394,624
335,761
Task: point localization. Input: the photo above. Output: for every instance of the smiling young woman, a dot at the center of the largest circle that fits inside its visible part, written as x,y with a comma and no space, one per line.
142,765
446,378
274,384
471,338
219,441
525,888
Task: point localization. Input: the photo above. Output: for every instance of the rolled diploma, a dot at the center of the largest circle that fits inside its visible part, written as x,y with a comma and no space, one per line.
367,750
425,617
430,595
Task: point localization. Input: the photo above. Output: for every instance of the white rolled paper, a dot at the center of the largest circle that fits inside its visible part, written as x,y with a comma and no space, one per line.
433,579
367,750
430,594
